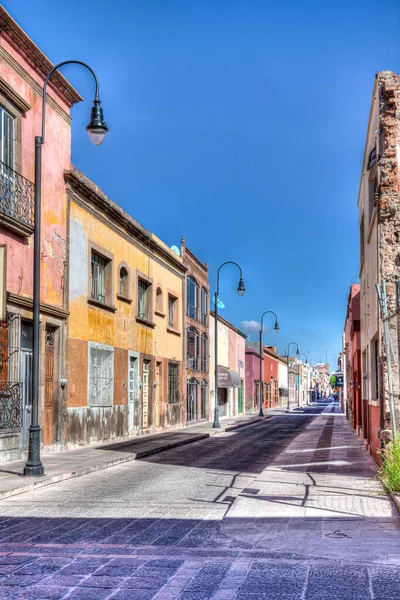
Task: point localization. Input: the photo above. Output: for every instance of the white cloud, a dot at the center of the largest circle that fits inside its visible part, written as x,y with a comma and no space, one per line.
250,326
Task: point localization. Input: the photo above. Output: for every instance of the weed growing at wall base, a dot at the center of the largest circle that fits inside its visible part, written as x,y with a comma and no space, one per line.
390,470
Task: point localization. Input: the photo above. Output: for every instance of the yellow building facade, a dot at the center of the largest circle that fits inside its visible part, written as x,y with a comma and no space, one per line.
125,328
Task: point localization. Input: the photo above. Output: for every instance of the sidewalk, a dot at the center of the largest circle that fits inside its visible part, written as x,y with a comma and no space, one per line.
319,498
67,464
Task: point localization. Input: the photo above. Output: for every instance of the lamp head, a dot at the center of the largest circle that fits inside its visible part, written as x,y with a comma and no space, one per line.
276,327
241,289
97,127
298,352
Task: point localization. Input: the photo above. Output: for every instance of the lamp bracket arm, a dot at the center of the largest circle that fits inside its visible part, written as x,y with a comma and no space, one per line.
55,68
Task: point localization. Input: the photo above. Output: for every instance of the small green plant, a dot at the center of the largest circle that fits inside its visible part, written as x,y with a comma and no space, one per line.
389,472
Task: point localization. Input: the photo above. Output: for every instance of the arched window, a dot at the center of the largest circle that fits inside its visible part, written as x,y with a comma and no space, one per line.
159,300
192,348
123,284
204,352
204,307
192,299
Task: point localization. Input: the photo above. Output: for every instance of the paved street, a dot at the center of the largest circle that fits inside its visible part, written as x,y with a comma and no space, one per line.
285,509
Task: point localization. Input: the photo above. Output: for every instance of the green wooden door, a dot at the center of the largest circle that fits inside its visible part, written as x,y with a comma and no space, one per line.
240,399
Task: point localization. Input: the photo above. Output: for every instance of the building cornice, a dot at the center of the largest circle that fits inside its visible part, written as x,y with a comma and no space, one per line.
194,258
91,196
33,84
46,309
23,44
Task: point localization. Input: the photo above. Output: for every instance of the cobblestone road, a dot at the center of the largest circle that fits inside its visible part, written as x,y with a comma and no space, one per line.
287,509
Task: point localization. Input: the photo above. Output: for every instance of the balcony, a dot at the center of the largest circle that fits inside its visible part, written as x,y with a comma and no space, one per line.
16,201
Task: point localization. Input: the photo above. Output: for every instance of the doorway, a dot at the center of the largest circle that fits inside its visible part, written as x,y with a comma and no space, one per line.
132,391
240,398
48,386
222,401
25,376
191,401
158,394
145,394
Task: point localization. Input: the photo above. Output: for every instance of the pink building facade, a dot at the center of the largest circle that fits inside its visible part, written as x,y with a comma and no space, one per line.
23,69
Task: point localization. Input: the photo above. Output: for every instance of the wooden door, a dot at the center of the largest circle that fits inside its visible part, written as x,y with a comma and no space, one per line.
240,398
48,387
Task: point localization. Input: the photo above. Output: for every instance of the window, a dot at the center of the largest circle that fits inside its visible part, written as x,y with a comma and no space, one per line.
99,266
101,375
365,376
124,282
372,158
159,300
204,400
204,297
192,298
143,299
375,370
362,240
173,382
192,348
372,194
172,311
204,352
6,138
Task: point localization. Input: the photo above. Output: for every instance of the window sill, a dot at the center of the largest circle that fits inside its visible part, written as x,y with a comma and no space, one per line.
103,305
124,299
173,330
145,322
160,314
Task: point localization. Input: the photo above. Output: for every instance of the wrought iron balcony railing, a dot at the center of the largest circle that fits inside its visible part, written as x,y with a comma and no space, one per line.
16,200
10,407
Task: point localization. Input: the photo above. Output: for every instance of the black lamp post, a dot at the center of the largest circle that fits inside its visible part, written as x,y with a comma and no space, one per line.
276,329
288,381
97,130
298,378
240,290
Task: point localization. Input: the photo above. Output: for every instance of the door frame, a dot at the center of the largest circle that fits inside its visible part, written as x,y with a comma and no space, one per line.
133,407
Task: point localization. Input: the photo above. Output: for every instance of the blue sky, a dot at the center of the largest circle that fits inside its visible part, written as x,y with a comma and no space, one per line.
240,124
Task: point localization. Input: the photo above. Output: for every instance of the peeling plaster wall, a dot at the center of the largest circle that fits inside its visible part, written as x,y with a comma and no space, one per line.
55,159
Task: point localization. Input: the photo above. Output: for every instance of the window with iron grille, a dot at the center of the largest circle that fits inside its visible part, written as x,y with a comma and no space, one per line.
204,298
372,158
99,265
204,352
173,382
6,138
101,375
192,348
192,300
143,299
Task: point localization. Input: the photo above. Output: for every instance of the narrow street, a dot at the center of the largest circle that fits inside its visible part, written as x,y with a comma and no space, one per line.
285,509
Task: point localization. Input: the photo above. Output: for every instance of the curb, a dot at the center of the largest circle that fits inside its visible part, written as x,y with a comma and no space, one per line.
117,461
396,500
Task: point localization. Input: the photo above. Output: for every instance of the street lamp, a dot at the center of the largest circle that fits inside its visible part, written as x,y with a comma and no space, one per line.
240,290
298,377
97,130
288,389
276,329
